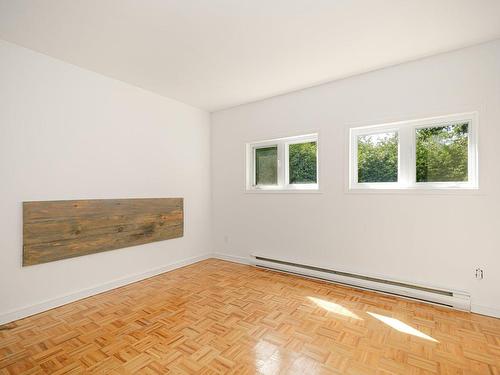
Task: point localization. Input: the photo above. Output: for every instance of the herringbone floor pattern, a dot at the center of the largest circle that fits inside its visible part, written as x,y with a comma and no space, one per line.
216,317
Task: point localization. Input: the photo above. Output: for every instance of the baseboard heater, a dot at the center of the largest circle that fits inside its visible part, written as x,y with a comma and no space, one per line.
449,298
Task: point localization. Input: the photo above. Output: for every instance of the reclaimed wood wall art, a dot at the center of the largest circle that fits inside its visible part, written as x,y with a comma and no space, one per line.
54,230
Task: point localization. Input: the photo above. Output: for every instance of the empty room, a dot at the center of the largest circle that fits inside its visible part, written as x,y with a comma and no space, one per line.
250,187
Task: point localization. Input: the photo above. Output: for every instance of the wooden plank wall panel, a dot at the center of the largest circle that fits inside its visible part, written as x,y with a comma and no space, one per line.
54,230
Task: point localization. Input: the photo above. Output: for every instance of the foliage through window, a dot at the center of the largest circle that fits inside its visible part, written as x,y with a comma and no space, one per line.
302,163
283,164
442,153
378,157
432,153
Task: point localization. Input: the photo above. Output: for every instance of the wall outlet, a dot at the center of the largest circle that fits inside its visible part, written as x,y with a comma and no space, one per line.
479,273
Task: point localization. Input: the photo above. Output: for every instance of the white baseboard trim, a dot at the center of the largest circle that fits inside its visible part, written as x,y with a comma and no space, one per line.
485,310
232,258
24,312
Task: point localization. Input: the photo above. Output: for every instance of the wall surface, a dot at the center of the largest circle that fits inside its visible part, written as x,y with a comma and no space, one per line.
67,133
435,239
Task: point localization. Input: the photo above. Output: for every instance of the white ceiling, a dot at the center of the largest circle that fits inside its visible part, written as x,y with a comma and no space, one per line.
215,54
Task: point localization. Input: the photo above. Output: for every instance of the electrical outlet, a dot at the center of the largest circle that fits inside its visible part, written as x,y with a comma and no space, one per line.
226,239
479,273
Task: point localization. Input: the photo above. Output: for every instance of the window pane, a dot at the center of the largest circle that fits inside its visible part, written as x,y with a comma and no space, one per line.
302,163
266,165
442,153
378,157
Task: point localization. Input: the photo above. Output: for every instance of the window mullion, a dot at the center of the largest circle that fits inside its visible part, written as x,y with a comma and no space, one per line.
286,163
254,168
282,164
354,158
405,173
412,157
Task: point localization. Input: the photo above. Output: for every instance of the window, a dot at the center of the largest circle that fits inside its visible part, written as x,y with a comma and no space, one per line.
266,165
378,157
435,153
283,164
442,153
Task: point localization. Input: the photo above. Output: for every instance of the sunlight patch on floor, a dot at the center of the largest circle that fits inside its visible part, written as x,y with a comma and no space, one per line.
401,327
334,307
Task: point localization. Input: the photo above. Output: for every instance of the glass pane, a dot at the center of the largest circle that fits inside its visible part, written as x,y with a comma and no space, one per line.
378,157
266,165
442,153
302,163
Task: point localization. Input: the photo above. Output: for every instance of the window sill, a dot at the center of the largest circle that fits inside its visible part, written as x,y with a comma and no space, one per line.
416,191
283,191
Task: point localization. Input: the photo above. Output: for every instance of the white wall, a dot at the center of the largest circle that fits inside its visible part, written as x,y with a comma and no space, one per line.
433,239
67,133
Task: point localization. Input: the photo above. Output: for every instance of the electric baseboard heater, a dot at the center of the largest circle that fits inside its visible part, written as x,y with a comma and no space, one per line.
449,298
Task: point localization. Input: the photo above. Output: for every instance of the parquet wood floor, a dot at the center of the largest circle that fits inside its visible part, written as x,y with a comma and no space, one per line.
217,317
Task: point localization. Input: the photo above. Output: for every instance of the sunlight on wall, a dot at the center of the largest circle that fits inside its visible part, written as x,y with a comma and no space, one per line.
334,308
401,327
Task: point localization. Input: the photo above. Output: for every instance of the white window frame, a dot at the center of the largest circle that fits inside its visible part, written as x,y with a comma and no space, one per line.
406,131
283,164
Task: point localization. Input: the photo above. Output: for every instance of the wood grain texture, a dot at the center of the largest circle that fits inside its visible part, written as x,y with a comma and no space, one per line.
216,317
54,230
